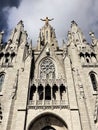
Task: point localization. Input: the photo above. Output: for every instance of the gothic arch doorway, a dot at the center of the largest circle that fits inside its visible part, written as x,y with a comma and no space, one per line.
48,121
48,128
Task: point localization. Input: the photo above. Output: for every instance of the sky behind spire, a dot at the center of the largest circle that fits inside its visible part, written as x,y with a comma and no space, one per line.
63,11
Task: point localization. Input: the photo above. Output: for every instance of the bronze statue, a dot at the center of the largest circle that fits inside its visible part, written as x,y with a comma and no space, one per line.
47,20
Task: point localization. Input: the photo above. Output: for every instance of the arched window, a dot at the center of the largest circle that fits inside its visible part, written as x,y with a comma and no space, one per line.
40,92
93,80
47,92
1,80
87,57
32,92
62,92
81,54
55,90
87,60
93,55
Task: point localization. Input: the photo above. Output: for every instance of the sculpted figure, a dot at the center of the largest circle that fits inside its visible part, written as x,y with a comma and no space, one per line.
47,20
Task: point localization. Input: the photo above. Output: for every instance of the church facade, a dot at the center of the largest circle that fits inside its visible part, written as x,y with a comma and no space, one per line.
48,87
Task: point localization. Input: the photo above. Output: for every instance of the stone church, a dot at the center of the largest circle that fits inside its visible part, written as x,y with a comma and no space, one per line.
48,87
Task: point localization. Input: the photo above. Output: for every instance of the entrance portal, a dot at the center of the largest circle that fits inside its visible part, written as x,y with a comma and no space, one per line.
48,128
48,122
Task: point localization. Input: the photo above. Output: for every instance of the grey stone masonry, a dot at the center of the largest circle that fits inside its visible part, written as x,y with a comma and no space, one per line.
47,86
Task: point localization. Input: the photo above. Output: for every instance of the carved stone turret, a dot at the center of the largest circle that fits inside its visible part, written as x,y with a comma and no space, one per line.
47,35
77,33
16,33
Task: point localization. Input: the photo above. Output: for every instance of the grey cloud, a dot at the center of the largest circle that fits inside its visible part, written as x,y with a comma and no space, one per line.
63,12
10,3
5,6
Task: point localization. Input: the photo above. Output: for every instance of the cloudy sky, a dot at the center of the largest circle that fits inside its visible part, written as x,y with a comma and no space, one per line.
85,13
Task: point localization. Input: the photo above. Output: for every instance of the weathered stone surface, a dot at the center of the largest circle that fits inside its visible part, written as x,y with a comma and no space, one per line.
49,87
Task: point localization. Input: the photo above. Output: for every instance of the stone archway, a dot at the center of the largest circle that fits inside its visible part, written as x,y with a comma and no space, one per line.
48,122
48,128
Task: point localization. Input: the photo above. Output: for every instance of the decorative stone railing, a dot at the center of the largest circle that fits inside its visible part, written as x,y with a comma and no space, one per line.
49,81
48,104
90,65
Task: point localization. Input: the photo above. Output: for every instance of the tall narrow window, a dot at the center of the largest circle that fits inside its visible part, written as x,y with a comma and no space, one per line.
40,92
32,92
47,92
93,80
55,92
62,92
1,80
87,57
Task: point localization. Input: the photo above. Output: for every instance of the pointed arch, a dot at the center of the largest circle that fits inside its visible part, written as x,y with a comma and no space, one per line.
32,91
87,54
47,92
93,54
2,76
55,90
93,80
81,54
45,120
40,92
93,57
88,60
62,91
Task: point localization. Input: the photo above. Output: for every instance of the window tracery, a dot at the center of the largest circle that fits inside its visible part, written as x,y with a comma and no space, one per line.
47,69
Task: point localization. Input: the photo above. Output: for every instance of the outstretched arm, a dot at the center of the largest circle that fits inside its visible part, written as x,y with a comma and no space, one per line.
51,19
43,19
